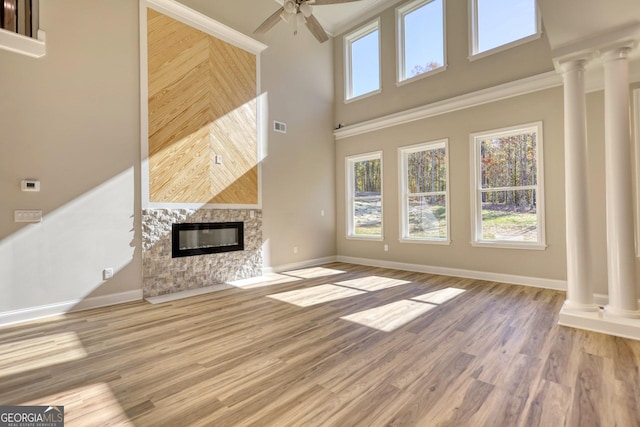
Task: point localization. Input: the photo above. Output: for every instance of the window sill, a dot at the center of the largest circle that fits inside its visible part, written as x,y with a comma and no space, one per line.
426,241
27,46
475,56
509,245
363,96
365,238
421,76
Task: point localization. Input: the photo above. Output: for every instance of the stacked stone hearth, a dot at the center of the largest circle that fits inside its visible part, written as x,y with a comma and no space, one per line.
163,274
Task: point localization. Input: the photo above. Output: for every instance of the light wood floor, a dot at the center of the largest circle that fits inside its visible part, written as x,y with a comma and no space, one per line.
450,352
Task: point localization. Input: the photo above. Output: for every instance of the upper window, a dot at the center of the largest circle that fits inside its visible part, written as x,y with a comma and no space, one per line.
364,196
362,60
502,23
420,38
425,199
508,187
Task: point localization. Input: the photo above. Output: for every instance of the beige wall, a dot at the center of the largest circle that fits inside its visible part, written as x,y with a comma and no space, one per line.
462,76
71,119
545,106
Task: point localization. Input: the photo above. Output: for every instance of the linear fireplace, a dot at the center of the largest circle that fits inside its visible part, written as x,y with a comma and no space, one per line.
190,239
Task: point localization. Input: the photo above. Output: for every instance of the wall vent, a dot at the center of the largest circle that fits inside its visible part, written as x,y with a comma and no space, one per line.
279,126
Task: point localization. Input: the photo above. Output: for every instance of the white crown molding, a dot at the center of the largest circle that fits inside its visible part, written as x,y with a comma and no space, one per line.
24,45
44,311
590,47
504,91
535,282
204,23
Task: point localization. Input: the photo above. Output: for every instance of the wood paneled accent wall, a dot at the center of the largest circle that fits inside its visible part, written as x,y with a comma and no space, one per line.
202,104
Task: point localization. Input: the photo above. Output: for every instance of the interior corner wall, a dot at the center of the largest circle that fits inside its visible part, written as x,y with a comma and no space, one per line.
462,75
545,106
71,120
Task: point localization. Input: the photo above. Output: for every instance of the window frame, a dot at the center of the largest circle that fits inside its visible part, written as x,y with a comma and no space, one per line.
404,195
350,161
401,12
474,28
348,41
476,188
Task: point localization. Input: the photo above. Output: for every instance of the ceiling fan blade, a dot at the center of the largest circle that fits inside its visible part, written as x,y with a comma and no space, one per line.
323,2
269,22
316,29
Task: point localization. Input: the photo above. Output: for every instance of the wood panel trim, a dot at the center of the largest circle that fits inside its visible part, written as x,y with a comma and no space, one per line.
206,24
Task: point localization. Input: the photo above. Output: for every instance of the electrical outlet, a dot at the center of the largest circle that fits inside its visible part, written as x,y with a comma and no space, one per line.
295,249
322,212
107,273
386,248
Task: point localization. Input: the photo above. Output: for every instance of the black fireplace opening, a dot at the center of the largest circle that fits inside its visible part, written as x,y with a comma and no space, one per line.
189,239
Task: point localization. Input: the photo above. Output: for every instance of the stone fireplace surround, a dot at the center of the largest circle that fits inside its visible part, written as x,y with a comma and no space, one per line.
164,275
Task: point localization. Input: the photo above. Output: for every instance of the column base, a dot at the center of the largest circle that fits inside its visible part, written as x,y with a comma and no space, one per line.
598,322
576,307
612,312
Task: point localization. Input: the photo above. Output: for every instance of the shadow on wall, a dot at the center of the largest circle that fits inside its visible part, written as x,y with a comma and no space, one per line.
54,264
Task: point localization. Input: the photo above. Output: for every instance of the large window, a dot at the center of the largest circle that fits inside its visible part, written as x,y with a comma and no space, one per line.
364,196
420,38
425,201
498,24
508,187
362,60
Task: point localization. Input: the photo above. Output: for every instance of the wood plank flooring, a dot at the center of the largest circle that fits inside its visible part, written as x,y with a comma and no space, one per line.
437,351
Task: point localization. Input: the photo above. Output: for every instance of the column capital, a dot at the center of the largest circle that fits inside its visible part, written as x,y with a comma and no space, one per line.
618,51
567,65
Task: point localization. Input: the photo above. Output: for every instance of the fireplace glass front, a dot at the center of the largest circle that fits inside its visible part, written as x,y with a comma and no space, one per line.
190,239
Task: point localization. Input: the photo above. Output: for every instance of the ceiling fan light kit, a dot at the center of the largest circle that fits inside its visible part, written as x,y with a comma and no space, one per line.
299,12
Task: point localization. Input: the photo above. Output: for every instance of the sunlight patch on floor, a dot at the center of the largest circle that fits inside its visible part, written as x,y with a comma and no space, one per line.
40,352
315,295
264,280
372,283
389,317
440,296
313,273
92,405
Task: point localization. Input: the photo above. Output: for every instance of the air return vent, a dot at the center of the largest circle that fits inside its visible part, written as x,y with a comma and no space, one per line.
279,127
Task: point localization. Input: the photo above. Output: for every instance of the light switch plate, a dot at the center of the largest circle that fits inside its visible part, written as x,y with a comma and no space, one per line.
24,215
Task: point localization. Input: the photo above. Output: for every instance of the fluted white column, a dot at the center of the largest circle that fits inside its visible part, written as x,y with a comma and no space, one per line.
580,288
623,299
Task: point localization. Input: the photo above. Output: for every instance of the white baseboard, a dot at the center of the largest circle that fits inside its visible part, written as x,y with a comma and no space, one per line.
536,282
43,311
299,265
599,322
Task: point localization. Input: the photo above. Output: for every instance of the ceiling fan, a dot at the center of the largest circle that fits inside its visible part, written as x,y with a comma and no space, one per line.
298,13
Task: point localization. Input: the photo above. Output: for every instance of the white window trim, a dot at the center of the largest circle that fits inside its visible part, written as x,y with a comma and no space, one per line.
400,41
403,193
636,124
349,162
348,76
473,35
476,200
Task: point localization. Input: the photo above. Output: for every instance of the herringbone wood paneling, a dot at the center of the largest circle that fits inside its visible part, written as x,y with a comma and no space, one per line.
202,104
